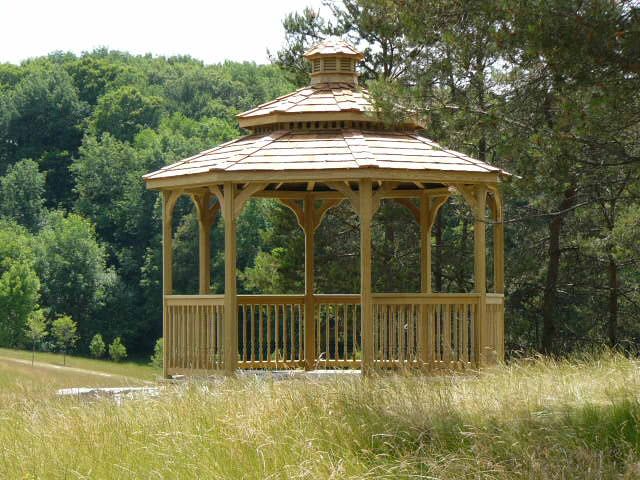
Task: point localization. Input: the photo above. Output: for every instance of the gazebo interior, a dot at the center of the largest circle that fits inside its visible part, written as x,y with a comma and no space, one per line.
311,150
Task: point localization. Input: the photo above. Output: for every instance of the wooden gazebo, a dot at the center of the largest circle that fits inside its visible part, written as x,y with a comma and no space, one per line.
312,149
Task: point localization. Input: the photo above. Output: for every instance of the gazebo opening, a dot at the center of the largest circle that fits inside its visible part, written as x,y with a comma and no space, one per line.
313,150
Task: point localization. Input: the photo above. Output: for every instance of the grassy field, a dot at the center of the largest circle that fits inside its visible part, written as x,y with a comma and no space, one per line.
140,370
538,419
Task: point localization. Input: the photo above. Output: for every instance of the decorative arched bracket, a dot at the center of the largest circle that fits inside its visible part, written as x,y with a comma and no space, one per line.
351,195
241,196
206,210
473,194
169,199
318,212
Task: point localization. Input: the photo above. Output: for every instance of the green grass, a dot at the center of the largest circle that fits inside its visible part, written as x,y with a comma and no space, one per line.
139,370
19,383
542,419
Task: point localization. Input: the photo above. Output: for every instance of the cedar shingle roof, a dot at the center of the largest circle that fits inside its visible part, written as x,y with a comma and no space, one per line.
333,46
326,126
331,149
328,97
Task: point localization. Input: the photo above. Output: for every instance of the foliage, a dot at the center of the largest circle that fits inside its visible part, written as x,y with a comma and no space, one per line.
124,112
117,350
64,331
36,329
22,194
158,354
71,265
97,346
44,120
19,283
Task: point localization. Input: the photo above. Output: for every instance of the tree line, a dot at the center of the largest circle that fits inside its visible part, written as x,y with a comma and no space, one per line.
546,90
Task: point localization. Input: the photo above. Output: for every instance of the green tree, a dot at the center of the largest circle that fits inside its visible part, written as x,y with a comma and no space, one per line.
117,350
124,112
97,346
19,284
44,124
22,194
71,265
36,330
64,331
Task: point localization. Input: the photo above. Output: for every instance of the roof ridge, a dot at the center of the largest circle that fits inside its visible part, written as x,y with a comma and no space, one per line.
363,157
272,137
270,102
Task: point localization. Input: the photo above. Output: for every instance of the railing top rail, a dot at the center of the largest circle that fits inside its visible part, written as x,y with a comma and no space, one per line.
285,299
329,298
426,295
194,299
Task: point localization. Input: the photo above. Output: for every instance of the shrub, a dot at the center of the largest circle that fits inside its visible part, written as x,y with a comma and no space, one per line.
117,350
97,346
156,358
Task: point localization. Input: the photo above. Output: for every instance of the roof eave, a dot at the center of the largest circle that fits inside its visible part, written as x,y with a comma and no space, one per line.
310,175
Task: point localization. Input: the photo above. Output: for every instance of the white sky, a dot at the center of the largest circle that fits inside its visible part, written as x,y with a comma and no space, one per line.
210,30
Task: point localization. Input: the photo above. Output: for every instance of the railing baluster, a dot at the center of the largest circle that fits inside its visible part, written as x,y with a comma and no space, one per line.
284,334
244,332
260,334
327,320
300,333
276,327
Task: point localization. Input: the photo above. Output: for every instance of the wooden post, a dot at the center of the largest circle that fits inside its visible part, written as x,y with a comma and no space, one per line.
366,305
498,269
168,201
425,222
480,271
230,299
309,265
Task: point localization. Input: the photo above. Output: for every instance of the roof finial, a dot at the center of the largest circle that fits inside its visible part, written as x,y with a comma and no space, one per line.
333,60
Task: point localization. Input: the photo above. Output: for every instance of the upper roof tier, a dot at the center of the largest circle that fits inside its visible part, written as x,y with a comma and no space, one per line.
333,96
333,46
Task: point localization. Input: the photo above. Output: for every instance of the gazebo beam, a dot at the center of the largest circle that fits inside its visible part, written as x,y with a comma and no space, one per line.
322,176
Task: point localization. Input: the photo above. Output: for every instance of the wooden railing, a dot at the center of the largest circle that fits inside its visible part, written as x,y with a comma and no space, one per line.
271,331
193,333
433,330
410,330
338,340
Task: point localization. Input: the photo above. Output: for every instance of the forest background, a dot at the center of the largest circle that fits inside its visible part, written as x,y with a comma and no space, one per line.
549,91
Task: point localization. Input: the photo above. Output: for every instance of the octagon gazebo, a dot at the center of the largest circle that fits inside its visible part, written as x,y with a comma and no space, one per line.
312,149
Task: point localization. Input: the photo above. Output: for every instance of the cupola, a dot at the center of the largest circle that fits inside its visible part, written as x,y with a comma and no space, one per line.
333,61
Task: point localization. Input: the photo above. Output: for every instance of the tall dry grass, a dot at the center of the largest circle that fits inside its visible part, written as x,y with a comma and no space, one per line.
541,419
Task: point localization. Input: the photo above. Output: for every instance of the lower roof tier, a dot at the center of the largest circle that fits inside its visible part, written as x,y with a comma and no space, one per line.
342,149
